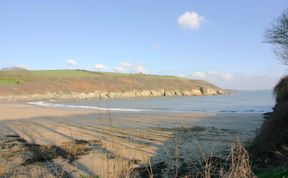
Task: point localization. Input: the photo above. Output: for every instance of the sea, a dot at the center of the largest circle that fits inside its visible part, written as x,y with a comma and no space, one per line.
260,101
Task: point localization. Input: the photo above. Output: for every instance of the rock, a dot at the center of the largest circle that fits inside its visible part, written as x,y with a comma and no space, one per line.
168,93
209,91
157,93
145,93
121,94
196,92
129,94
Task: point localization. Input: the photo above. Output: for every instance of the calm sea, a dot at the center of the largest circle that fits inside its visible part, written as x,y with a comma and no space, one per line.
242,101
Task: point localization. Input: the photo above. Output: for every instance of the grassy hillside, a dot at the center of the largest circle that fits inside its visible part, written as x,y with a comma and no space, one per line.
18,82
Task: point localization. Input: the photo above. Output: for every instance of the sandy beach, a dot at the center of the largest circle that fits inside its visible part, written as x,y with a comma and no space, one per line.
26,111
75,142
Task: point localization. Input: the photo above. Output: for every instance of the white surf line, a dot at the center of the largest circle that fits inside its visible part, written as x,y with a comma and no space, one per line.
55,105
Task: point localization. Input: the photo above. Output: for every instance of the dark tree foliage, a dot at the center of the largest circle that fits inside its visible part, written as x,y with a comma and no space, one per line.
277,35
281,90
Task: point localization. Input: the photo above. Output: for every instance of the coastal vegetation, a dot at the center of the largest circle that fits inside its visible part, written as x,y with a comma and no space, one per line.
270,147
84,84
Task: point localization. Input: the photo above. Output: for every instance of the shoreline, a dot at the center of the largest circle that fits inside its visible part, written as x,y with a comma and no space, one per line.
29,111
53,104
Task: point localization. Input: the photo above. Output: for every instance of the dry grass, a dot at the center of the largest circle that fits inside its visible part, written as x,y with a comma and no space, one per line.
113,164
240,166
237,165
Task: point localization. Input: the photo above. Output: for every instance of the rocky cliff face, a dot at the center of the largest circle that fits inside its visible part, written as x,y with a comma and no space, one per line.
122,94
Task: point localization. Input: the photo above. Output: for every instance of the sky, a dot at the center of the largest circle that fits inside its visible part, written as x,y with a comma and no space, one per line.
217,41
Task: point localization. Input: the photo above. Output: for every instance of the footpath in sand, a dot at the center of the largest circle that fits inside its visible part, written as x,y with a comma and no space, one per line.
37,141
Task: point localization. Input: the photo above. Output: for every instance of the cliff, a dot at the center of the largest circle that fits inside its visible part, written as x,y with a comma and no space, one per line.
80,84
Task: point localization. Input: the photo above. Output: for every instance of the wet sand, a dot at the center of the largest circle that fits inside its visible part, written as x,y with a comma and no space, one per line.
88,142
24,111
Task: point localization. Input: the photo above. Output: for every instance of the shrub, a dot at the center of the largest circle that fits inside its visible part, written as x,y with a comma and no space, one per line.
281,90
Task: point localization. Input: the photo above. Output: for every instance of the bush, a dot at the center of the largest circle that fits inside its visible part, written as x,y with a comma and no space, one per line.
272,138
281,90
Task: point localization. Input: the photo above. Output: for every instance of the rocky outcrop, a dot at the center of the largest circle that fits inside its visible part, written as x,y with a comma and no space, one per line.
122,94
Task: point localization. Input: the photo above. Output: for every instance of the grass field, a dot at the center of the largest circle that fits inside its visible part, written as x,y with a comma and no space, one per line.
9,81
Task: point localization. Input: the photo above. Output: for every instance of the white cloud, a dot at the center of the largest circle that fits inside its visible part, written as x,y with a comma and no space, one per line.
190,20
71,62
228,77
199,75
156,46
221,76
120,69
213,75
100,67
23,66
130,68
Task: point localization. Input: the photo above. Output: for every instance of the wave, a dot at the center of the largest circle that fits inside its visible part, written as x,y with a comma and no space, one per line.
55,105
170,110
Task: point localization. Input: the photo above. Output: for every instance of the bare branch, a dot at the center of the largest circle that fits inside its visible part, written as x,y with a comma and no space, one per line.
277,35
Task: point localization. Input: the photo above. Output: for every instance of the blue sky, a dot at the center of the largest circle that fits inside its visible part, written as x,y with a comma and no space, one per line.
218,41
